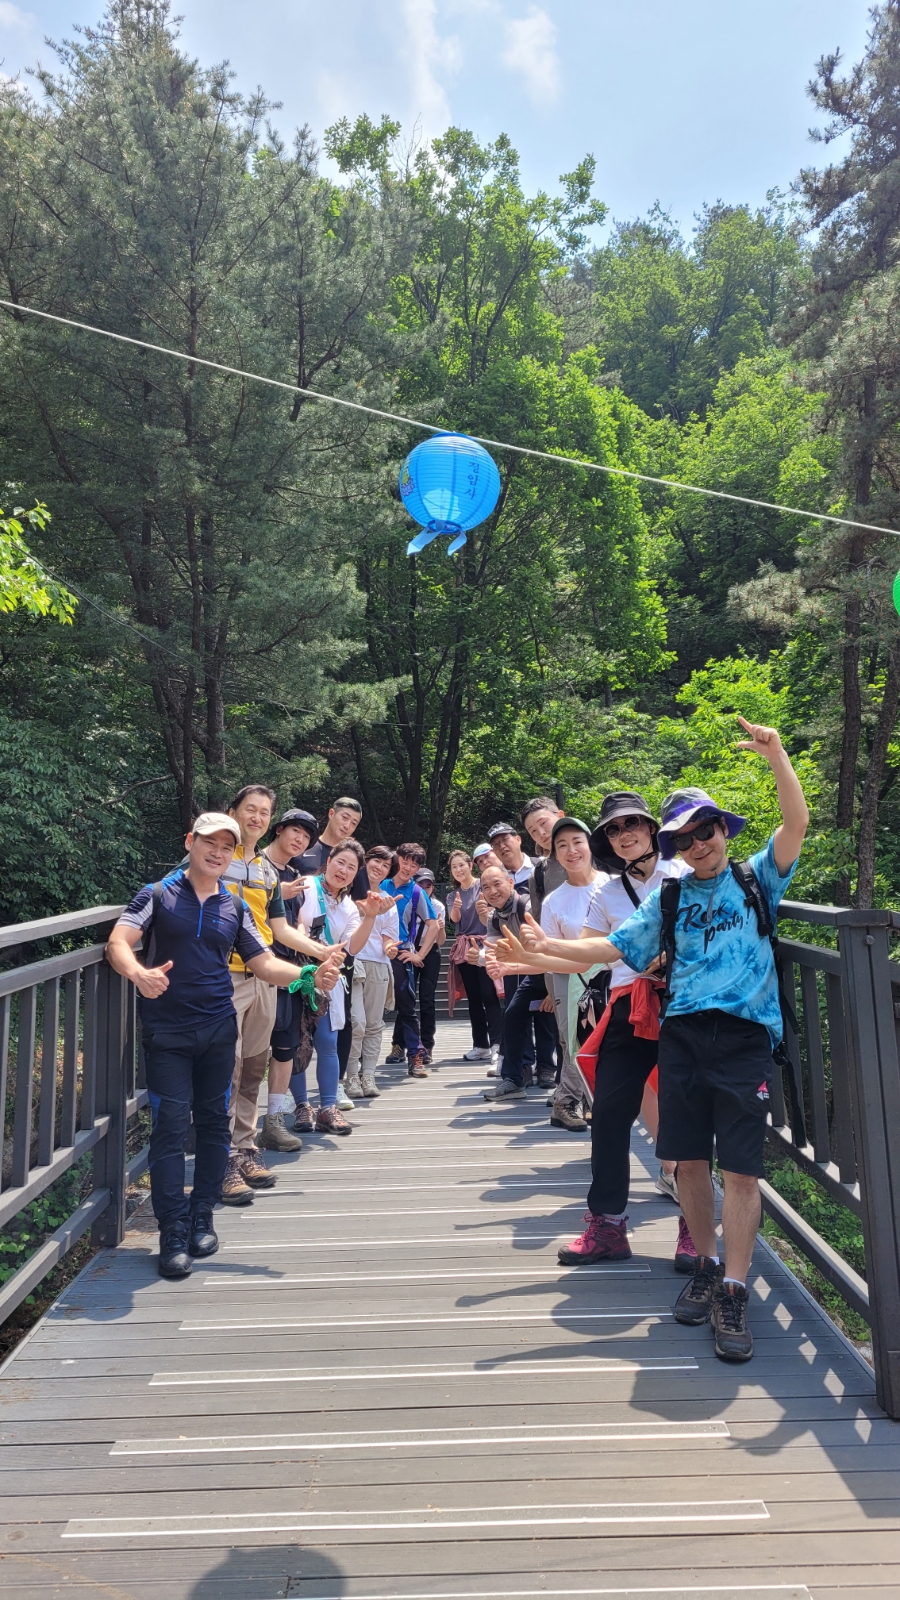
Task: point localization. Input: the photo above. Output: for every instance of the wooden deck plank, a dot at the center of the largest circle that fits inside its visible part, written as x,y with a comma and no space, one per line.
394,1293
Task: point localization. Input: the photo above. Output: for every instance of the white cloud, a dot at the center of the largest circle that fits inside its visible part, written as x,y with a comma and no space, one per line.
427,53
13,18
531,52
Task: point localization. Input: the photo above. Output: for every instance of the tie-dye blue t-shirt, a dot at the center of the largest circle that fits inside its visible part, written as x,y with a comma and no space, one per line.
721,963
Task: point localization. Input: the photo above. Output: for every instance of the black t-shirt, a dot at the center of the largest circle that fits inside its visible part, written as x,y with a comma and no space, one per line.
313,861
289,874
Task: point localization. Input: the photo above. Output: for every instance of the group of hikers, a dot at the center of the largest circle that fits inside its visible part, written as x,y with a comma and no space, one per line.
625,968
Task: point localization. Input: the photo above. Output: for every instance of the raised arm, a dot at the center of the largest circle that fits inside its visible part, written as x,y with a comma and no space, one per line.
789,837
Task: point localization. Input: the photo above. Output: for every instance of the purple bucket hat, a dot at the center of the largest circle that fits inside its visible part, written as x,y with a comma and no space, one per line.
682,808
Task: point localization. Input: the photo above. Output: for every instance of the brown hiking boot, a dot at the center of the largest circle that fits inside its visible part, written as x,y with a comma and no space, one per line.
235,1192
273,1135
330,1120
305,1120
254,1171
567,1114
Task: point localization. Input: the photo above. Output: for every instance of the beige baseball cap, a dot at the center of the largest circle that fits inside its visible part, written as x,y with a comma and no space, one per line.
216,822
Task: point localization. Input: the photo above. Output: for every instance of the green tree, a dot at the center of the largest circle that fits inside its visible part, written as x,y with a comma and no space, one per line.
674,317
23,581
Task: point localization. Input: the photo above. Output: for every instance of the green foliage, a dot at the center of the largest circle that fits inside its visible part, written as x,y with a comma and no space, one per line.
26,1233
23,582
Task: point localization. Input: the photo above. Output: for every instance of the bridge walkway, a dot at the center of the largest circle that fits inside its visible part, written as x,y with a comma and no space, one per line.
384,1385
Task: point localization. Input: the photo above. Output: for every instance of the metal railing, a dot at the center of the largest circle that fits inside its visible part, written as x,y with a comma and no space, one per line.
835,1110
68,1033
835,1107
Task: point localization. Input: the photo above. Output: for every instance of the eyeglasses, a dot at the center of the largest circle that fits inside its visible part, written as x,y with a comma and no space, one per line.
627,825
683,841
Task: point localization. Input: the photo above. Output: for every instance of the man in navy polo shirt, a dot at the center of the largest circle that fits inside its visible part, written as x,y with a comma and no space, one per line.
189,1026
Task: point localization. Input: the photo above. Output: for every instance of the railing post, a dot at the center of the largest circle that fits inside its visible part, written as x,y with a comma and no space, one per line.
875,1087
109,1154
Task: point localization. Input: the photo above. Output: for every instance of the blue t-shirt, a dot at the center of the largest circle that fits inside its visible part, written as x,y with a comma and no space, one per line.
721,963
413,906
198,940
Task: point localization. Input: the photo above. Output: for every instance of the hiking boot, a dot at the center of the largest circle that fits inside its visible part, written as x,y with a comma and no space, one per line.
235,1192
369,1087
734,1341
273,1135
254,1170
685,1253
305,1120
343,1101
353,1088
204,1240
546,1079
416,1067
174,1260
602,1240
694,1303
666,1185
330,1119
567,1114
505,1090
396,1057
428,1055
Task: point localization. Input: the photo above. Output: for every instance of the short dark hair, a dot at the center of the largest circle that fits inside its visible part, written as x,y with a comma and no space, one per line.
253,788
541,802
383,852
412,852
347,803
348,844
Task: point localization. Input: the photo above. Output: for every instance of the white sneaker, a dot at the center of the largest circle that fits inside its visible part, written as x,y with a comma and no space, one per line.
478,1054
369,1087
353,1088
343,1101
495,1054
666,1185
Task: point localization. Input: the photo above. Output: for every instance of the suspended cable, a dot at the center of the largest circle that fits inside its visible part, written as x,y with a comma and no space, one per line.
428,427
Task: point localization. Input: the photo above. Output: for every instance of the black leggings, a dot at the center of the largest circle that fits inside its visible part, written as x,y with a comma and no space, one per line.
485,1010
623,1067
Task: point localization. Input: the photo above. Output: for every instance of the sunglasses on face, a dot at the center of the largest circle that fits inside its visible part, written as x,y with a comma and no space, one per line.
683,841
627,825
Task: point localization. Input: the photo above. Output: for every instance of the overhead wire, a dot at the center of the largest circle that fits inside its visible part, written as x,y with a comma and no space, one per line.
428,427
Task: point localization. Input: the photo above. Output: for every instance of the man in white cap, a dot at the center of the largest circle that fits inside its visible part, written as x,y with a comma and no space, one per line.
188,925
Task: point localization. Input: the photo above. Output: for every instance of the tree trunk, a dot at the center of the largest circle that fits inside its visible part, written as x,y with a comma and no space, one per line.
868,813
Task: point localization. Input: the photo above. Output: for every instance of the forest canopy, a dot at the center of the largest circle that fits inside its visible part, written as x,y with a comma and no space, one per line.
241,604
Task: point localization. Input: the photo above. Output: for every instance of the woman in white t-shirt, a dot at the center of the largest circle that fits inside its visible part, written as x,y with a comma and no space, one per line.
371,982
625,841
330,915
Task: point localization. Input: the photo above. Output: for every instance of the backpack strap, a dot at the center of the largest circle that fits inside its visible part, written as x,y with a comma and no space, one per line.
750,887
540,879
669,899
629,888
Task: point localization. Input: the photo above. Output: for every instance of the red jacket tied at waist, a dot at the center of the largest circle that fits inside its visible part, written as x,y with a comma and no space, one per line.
643,1016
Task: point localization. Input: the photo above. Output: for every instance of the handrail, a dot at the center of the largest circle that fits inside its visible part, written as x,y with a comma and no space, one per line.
70,1022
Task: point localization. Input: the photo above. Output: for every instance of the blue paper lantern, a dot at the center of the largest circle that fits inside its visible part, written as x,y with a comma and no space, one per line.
448,484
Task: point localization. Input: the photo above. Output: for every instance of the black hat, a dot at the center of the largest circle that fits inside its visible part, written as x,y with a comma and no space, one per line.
621,803
298,819
426,872
500,828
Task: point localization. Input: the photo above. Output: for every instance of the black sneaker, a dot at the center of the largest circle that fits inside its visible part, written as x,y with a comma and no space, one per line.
694,1303
174,1260
734,1341
204,1240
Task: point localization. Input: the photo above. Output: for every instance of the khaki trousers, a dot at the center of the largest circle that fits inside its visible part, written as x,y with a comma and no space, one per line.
571,1084
254,1003
370,986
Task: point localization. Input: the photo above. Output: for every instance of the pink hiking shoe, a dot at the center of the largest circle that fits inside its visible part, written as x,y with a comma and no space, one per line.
602,1240
685,1253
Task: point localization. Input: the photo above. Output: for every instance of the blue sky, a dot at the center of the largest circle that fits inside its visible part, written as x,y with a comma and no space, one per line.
681,103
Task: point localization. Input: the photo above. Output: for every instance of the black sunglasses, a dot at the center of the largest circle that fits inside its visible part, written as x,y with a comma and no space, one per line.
704,831
627,825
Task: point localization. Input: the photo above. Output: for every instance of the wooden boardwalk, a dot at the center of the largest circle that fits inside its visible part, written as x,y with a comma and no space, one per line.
385,1385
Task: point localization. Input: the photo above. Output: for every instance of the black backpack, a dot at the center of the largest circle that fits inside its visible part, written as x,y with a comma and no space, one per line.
749,884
